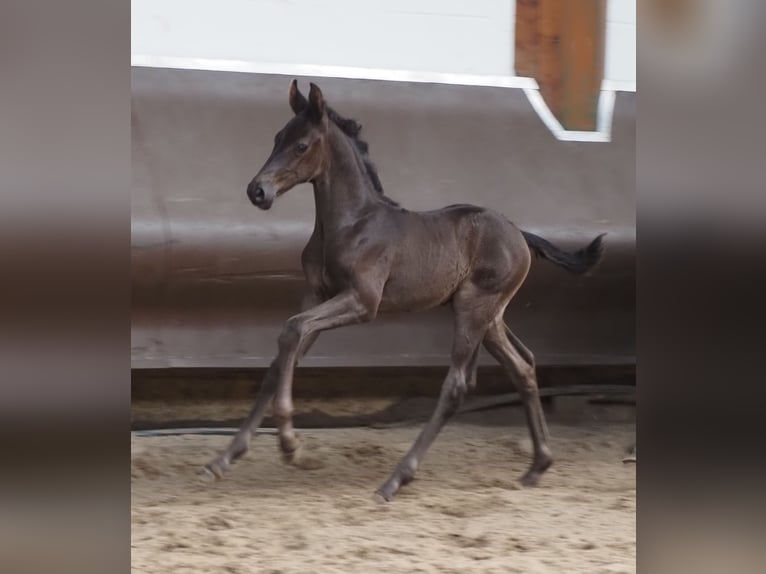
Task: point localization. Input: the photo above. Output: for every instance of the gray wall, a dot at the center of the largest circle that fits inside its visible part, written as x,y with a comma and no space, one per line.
213,277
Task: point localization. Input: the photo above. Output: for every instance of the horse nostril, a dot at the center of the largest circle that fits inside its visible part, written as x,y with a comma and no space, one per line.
256,193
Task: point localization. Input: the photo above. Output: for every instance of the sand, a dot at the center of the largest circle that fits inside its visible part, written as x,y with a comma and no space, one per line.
465,512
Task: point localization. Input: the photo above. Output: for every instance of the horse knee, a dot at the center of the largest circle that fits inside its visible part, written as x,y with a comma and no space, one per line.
367,308
528,381
455,395
369,315
282,410
528,374
471,380
291,335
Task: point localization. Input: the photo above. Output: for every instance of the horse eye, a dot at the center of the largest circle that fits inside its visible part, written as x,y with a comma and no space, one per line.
301,147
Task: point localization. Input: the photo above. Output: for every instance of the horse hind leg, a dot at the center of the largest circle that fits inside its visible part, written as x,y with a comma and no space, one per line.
453,391
472,369
470,326
518,362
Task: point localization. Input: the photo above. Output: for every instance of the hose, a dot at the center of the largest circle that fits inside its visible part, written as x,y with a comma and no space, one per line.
476,404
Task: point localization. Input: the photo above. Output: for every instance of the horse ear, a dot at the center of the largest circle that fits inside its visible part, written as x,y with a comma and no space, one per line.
298,101
316,103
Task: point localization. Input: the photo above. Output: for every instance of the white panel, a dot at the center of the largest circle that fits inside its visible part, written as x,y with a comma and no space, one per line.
621,11
450,36
620,56
444,41
620,59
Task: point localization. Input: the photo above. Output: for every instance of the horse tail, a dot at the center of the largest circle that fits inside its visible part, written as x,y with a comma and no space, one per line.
579,262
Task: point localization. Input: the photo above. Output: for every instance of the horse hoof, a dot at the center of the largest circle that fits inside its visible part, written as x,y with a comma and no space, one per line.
307,462
213,471
530,478
538,468
380,498
207,475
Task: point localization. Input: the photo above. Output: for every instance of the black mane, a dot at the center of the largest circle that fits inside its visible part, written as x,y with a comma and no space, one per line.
352,128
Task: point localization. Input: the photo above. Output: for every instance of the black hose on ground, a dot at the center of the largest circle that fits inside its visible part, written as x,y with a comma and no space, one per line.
473,405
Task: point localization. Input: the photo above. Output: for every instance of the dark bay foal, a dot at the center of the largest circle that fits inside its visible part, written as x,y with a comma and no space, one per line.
367,254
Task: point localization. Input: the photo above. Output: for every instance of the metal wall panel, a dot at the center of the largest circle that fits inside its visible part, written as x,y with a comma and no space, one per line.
214,278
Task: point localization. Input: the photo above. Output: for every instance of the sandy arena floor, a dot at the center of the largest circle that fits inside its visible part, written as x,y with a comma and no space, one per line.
465,512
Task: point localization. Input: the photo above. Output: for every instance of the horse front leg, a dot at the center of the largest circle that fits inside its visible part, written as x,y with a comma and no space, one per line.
240,443
347,308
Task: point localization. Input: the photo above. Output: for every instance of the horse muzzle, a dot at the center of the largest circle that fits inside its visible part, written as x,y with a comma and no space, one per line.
261,194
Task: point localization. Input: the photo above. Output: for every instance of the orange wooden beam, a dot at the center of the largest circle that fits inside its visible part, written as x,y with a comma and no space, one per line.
561,44
525,52
550,73
584,40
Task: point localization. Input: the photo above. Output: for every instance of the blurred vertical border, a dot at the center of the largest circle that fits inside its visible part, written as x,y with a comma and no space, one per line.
701,263
65,294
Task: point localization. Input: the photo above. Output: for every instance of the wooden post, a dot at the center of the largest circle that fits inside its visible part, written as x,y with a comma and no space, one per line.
561,44
584,39
550,73
525,38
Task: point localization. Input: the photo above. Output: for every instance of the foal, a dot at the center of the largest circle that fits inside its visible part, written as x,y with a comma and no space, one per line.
367,254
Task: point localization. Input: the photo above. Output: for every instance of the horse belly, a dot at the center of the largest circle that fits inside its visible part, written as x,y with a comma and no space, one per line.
422,286
433,257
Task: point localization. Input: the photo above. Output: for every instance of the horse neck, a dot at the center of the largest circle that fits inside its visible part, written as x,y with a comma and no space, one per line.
342,192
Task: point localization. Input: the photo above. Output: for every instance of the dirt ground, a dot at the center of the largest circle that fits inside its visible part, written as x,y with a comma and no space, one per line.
465,512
